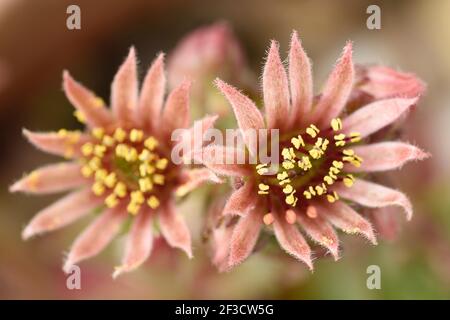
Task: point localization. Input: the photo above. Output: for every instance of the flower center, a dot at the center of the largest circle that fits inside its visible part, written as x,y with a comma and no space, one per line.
311,162
125,165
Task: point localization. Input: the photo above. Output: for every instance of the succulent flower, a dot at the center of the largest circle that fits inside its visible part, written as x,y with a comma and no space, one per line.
324,158
120,166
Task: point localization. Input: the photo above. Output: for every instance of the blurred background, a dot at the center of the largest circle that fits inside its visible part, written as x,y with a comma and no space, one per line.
36,46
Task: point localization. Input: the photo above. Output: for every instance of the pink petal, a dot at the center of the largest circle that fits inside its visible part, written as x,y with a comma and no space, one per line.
248,116
139,243
194,137
376,115
300,80
291,240
221,238
152,94
61,213
346,219
241,200
195,178
276,89
222,160
244,237
52,178
320,231
86,102
174,229
176,111
124,90
337,89
385,221
95,237
54,143
386,156
373,195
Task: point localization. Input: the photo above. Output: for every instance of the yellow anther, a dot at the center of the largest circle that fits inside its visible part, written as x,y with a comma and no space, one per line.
336,124
143,169
328,180
161,164
79,116
285,181
137,197
136,135
110,180
338,164
95,163
87,149
348,152
288,153
332,197
319,190
120,134
151,143
133,207
121,150
349,180
262,171
98,188
263,188
305,163
316,153
98,133
62,133
307,194
144,155
153,202
111,201
288,189
145,184
287,164
268,219
312,130
98,102
325,144
311,190
108,141
291,199
283,175
158,179
339,136
99,150
101,174
340,143
132,155
298,142
150,169
319,142
120,189
355,137
86,171
334,170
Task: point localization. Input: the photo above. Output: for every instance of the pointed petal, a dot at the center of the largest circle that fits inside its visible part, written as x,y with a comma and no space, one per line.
176,111
276,89
139,243
244,237
124,90
346,219
300,80
248,116
193,137
241,201
386,156
61,213
385,221
95,237
52,178
86,102
321,231
194,178
291,240
221,238
65,145
373,195
152,94
376,115
337,89
223,160
174,229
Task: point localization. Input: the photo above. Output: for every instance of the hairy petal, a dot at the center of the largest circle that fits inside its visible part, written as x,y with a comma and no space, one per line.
321,231
124,90
248,116
52,178
139,243
61,213
221,238
291,240
222,160
348,220
174,229
95,237
193,137
300,80
241,200
176,111
152,94
244,237
386,156
376,115
194,178
373,195
86,102
337,89
54,143
385,221
276,89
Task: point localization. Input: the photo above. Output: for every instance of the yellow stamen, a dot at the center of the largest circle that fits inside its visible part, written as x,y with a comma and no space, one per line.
153,202
120,134
336,124
158,179
87,149
86,171
98,188
111,201
349,180
150,143
98,133
110,180
298,142
133,207
80,116
161,164
145,184
136,135
120,190
312,130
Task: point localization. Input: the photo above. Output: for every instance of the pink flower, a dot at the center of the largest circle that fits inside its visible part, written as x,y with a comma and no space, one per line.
120,165
324,160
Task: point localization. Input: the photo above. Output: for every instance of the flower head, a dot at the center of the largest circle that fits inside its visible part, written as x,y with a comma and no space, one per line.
324,156
120,164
